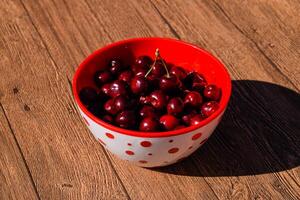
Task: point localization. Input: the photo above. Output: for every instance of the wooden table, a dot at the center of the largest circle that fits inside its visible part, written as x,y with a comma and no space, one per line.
46,152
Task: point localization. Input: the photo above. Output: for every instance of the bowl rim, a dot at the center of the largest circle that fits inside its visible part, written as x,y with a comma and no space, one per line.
223,104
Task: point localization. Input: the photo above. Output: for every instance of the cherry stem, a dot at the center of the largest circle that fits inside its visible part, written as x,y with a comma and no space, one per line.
157,55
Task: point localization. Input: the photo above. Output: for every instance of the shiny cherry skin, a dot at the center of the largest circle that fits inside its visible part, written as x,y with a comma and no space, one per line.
148,111
115,66
108,118
144,100
121,103
117,88
158,69
139,85
193,99
179,72
194,81
168,83
175,106
208,108
186,118
88,95
126,76
212,92
168,122
109,107
140,72
149,124
102,77
158,99
195,120
143,61
125,119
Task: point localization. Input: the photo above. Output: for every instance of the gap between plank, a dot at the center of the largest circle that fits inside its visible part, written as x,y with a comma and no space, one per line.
20,150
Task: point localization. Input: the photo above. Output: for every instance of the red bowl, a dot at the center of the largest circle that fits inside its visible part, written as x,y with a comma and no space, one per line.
180,53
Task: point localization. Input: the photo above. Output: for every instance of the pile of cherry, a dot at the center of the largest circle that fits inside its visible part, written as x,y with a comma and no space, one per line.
150,95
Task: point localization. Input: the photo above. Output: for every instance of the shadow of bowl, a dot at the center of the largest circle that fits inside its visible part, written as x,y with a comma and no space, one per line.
259,133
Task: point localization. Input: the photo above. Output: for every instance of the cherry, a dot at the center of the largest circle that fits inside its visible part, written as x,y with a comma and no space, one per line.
117,88
180,127
175,106
126,76
158,99
121,103
168,83
139,85
158,69
108,118
195,120
153,81
126,119
115,66
169,122
88,95
186,118
102,77
209,108
109,107
140,72
179,72
193,99
194,81
96,108
149,124
105,88
143,61
145,100
148,111
212,92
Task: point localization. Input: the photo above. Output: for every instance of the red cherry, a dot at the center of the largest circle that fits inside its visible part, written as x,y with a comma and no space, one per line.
126,76
193,99
109,107
126,119
158,99
121,103
158,69
148,111
168,83
117,88
140,72
106,88
149,124
115,66
145,100
212,92
143,61
175,106
179,72
139,85
169,122
195,120
107,118
180,127
186,118
88,95
102,77
194,81
209,108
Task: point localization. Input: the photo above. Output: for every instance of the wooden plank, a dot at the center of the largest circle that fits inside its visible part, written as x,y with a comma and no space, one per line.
190,21
272,26
131,176
15,178
65,161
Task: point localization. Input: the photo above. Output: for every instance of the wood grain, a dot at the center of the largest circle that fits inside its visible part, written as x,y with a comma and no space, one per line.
253,153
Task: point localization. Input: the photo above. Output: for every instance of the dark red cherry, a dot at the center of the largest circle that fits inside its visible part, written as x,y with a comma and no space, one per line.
209,108
168,83
212,92
199,82
102,77
149,124
179,72
140,72
153,81
125,119
108,118
180,127
145,100
88,95
126,76
158,69
168,122
148,111
143,61
195,120
96,108
115,66
106,88
193,99
117,88
109,107
158,99
139,85
175,106
121,103
186,118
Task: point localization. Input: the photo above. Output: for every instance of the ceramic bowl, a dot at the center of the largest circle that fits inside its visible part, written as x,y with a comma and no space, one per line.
158,148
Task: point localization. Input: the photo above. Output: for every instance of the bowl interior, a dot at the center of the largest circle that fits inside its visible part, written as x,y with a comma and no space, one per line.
175,52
